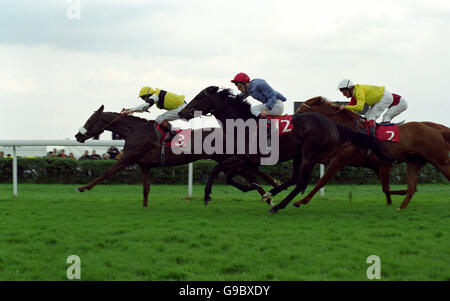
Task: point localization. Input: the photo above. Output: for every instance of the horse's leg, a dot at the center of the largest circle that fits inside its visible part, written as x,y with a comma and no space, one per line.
146,183
384,174
249,177
304,176
296,162
273,182
444,168
341,159
222,166
121,163
412,170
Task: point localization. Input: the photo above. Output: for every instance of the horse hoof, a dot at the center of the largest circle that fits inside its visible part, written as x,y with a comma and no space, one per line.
79,189
296,205
273,210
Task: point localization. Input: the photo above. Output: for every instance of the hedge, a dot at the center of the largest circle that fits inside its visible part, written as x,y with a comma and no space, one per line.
69,171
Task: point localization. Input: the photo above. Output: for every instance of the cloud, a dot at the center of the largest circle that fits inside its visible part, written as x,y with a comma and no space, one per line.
58,70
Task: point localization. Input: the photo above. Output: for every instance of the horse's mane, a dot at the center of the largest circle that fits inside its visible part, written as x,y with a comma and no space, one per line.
323,100
129,118
237,102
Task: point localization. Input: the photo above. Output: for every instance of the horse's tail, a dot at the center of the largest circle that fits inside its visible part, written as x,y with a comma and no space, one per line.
364,141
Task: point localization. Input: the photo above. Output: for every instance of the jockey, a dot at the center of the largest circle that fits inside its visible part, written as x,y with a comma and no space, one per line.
377,97
272,101
164,100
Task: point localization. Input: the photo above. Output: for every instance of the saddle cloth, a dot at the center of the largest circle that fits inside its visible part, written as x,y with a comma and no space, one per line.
386,132
180,140
284,123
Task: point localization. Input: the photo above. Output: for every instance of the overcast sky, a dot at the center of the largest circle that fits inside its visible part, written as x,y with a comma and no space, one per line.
62,59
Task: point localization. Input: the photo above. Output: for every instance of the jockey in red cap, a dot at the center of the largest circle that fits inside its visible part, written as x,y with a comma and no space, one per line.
259,89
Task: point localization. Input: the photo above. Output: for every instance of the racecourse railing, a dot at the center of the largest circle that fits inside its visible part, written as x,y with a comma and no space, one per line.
18,143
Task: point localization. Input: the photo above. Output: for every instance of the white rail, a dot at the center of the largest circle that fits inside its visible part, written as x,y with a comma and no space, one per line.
18,143
67,142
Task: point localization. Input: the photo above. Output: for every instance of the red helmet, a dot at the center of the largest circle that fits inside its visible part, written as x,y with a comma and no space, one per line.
241,78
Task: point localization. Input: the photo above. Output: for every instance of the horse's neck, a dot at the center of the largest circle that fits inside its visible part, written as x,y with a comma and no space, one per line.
236,115
121,126
344,118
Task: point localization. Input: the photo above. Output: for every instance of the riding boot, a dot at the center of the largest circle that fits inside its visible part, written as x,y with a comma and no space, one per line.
170,133
268,133
372,128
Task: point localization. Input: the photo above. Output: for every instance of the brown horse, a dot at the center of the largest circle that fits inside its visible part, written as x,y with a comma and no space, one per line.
419,143
142,147
313,137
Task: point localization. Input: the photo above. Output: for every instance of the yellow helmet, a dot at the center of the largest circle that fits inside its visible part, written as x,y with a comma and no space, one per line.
146,91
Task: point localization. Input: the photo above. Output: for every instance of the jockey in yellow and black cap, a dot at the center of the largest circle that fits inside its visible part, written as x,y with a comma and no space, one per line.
169,101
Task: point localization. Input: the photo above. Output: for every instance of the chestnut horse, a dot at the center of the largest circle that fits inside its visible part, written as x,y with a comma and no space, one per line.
419,143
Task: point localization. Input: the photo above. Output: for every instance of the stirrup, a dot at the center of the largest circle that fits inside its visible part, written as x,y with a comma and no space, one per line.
169,136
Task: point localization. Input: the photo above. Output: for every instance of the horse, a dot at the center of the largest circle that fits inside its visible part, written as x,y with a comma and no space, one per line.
419,142
143,147
316,136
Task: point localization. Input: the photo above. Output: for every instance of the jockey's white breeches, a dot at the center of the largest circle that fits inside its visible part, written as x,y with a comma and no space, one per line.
170,115
395,110
277,109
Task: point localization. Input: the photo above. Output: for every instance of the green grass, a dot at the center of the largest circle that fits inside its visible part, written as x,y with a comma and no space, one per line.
233,238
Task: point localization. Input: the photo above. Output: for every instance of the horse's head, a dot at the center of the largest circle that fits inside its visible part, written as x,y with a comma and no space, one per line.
319,105
92,127
327,108
207,101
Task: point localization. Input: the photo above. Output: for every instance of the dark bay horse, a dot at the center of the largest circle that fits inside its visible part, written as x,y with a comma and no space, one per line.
313,137
225,106
142,147
419,142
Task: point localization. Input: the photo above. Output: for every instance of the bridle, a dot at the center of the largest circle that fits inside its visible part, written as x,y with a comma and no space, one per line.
107,125
211,111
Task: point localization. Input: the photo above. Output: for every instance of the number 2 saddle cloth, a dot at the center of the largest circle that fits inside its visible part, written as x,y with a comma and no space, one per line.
284,123
383,131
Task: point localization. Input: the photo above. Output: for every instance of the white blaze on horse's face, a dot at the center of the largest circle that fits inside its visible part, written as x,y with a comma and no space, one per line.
82,130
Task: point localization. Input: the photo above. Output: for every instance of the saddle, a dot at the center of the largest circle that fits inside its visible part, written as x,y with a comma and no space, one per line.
180,140
384,131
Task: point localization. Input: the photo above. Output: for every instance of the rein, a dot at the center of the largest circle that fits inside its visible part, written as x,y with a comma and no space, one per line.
355,120
109,123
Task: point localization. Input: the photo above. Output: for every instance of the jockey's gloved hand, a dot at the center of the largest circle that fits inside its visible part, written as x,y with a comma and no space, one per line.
126,111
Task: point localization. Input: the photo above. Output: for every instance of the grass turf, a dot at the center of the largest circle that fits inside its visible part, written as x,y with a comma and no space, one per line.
234,238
